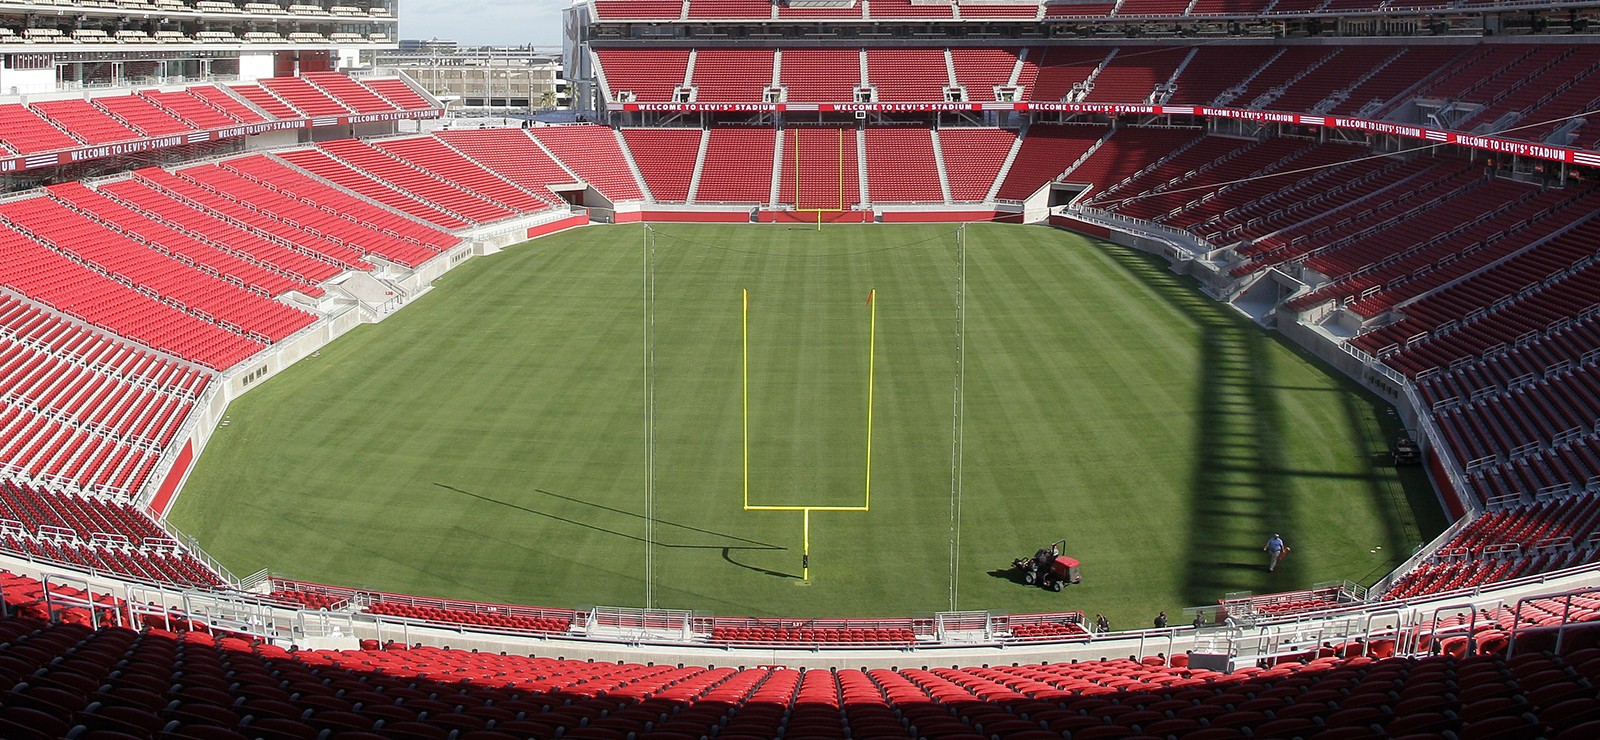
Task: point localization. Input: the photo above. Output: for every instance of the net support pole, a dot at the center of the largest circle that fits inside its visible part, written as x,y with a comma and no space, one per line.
744,386
649,417
957,406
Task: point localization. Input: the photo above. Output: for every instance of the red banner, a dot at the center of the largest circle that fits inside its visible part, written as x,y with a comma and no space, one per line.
1529,149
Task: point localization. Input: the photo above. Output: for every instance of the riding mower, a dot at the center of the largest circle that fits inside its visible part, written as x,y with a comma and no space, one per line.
1048,568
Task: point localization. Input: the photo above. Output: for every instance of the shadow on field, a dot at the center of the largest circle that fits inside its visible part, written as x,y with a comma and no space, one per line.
1013,575
1239,484
726,549
1237,492
1414,515
727,554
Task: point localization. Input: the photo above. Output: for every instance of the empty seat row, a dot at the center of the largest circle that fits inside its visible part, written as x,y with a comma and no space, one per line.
52,125
68,679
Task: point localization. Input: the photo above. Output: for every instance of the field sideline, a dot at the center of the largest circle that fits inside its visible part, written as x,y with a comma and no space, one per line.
487,442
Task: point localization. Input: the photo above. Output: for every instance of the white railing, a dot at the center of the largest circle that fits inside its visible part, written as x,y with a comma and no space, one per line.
1518,630
1423,553
1436,438
1146,228
193,548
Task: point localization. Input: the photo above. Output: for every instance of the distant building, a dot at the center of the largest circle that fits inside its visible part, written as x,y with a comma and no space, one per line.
428,46
90,44
484,78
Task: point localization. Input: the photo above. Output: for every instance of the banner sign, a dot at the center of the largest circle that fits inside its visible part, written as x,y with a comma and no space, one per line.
1529,149
122,148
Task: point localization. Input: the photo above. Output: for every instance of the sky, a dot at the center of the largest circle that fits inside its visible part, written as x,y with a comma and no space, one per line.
476,22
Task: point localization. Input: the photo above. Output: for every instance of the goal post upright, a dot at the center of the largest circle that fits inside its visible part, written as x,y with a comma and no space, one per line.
799,200
872,368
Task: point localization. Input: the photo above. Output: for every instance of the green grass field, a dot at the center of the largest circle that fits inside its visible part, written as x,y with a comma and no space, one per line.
487,442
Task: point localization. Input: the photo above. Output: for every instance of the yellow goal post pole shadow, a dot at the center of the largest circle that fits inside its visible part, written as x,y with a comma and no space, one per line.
798,206
866,504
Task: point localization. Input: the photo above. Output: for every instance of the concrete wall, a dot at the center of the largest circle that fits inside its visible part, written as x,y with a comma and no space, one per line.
27,81
729,215
255,66
1352,367
935,216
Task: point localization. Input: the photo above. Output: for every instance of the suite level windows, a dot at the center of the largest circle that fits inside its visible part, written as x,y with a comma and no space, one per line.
20,62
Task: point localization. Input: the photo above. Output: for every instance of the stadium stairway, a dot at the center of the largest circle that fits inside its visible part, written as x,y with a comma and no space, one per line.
23,131
349,92
103,248
48,277
290,183
143,115
398,92
974,160
265,100
433,156
252,275
943,169
427,187
85,121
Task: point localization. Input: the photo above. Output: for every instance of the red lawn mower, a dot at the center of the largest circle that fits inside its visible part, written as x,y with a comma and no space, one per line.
1048,568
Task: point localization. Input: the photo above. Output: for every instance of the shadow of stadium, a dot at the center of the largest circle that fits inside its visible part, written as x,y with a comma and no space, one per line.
1238,494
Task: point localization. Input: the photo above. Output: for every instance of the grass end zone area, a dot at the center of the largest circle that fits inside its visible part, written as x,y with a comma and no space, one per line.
488,442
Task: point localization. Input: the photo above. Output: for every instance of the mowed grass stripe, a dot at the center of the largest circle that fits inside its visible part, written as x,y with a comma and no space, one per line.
1058,427
807,320
487,442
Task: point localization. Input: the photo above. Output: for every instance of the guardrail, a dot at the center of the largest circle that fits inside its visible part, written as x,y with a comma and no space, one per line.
1560,629
257,615
1422,553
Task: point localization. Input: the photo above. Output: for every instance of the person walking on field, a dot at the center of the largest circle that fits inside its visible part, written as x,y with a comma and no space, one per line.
1275,550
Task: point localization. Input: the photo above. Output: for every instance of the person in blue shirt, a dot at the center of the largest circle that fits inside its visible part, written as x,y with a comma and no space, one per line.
1274,549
